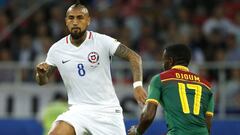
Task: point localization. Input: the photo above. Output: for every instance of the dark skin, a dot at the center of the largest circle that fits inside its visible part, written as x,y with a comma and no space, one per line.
146,119
209,122
149,113
77,20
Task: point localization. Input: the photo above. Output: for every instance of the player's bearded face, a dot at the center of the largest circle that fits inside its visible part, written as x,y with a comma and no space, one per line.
77,33
77,21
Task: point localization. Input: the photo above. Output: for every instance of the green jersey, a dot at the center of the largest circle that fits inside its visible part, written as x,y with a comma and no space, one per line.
186,99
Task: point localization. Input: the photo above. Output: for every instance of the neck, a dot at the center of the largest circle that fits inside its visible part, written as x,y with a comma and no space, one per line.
79,41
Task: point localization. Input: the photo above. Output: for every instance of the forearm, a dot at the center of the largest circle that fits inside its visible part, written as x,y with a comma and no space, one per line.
41,80
149,112
209,122
134,59
209,127
136,67
145,122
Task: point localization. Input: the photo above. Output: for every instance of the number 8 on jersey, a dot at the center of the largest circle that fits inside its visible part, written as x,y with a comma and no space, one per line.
81,70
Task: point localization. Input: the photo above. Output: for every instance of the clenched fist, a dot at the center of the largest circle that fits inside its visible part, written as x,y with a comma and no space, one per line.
42,69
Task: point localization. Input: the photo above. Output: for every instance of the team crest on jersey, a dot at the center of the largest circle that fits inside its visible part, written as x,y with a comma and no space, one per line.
93,57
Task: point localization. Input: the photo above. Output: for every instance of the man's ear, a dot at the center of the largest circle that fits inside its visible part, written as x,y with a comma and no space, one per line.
66,21
171,61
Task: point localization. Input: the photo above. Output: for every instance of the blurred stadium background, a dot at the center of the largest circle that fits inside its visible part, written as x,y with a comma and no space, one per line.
29,27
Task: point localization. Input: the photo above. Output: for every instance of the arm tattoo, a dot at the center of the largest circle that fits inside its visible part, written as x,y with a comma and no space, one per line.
134,59
123,51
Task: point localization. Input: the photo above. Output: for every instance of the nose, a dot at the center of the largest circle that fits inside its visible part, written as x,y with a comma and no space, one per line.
75,22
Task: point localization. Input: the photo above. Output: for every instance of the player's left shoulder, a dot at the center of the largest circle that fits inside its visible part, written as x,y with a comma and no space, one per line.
202,80
101,36
206,82
95,35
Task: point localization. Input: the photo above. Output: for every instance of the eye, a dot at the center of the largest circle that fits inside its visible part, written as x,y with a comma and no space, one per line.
70,17
80,17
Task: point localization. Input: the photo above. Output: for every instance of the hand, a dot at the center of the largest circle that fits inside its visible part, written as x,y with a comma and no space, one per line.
132,130
140,95
42,69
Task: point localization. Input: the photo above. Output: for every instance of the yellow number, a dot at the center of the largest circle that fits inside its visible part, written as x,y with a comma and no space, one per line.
183,97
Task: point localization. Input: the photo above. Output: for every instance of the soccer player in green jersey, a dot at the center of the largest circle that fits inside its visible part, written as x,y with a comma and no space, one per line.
187,98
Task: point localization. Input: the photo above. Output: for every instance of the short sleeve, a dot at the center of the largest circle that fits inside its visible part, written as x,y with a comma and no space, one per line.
111,44
154,89
210,109
50,57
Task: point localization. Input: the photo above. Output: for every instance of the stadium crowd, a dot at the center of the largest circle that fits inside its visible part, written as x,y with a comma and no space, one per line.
211,28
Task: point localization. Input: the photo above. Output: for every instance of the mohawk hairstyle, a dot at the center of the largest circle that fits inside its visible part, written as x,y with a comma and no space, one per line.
78,4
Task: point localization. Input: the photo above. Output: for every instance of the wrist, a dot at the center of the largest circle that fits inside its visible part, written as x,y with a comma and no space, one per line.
41,76
41,80
137,84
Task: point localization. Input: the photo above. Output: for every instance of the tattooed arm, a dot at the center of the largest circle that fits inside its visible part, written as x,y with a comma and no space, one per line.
136,67
135,60
43,72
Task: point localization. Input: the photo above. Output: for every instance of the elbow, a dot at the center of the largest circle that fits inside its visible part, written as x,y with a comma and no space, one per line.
139,57
136,58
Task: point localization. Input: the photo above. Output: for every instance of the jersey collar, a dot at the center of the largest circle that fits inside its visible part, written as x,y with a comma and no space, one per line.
89,36
180,67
